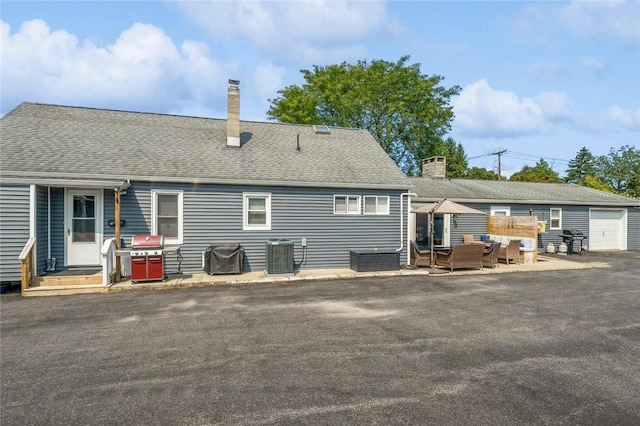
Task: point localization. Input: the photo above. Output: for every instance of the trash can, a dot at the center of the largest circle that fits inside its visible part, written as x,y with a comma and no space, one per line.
223,258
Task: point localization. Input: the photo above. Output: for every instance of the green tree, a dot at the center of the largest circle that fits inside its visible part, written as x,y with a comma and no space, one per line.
406,111
582,166
480,173
620,169
595,183
541,172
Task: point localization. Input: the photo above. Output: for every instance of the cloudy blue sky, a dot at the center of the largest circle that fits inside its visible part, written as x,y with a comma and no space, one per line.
540,79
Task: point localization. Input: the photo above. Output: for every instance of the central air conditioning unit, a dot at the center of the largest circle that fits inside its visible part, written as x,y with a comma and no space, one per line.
279,257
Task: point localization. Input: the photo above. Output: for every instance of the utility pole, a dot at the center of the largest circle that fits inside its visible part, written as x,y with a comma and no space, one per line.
499,154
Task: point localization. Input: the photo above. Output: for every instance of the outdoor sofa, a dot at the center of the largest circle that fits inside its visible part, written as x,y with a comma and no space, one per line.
461,256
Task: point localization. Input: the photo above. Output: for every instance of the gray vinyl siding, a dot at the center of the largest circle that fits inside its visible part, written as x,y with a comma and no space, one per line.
633,229
42,236
213,214
573,218
475,225
14,229
57,227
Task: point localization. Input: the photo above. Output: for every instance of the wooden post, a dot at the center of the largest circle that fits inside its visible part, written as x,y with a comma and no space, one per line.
117,231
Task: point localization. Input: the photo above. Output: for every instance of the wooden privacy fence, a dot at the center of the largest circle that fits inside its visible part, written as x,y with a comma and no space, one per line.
517,227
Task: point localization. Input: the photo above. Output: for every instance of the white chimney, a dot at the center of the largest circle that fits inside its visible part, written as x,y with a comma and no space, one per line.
233,115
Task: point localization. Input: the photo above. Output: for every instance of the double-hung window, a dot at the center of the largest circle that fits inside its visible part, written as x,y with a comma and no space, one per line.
376,205
256,211
166,215
346,204
555,218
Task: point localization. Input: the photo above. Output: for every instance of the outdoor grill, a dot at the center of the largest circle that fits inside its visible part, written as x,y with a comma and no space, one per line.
571,238
147,258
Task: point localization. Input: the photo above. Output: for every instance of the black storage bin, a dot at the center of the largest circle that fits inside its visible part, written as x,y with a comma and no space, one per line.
223,258
374,260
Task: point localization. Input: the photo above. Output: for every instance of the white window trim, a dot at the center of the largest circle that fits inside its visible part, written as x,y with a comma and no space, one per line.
506,209
154,214
551,210
245,211
347,197
377,197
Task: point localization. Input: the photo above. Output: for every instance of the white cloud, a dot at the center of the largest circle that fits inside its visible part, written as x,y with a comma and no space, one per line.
486,112
319,31
265,81
555,106
595,66
547,23
542,69
617,19
628,119
142,69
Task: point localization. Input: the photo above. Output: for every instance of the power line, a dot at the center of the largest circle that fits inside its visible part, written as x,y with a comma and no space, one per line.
518,156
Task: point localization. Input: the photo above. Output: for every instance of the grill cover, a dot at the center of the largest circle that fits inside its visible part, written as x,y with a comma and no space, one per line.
223,258
147,242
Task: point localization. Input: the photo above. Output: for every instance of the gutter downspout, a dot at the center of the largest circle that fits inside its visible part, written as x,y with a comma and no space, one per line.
409,194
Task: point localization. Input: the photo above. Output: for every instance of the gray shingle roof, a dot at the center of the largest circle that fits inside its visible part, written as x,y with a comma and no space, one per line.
73,141
482,191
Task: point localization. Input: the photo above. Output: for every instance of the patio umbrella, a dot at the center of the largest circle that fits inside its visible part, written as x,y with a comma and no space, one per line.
442,207
446,207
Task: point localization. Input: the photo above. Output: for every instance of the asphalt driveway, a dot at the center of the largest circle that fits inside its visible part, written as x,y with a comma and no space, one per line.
557,347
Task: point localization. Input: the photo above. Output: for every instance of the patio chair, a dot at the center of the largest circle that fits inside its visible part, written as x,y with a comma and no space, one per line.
490,255
419,257
461,256
468,239
510,252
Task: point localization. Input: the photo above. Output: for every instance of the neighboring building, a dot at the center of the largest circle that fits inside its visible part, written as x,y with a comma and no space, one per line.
197,181
610,222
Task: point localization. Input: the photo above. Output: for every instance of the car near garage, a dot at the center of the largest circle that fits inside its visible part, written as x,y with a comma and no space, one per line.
607,229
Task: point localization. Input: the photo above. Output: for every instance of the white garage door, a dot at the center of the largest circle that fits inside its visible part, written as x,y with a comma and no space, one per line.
607,230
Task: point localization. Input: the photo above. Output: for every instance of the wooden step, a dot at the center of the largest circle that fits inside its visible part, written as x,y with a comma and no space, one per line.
67,280
65,290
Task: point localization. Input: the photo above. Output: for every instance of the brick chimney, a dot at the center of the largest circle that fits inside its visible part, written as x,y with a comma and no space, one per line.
434,167
233,114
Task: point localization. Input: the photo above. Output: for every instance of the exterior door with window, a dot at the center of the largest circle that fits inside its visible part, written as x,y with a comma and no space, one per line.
83,226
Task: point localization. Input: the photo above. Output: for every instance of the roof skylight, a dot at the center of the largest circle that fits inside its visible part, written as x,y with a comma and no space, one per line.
321,129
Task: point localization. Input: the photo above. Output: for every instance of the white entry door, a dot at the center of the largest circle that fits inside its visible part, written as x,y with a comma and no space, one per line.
83,226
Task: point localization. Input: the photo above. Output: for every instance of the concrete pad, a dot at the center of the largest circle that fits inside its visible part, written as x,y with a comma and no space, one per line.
544,263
